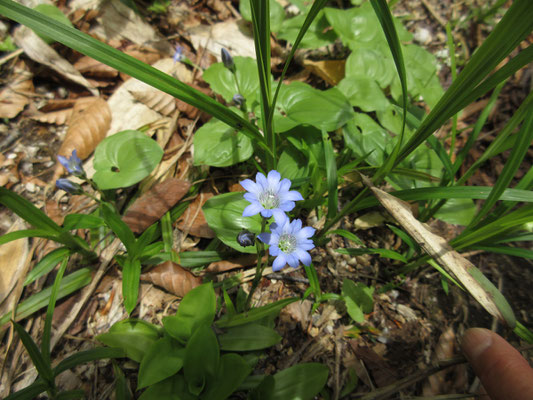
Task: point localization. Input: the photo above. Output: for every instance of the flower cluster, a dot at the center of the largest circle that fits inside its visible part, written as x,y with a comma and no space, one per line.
270,196
73,165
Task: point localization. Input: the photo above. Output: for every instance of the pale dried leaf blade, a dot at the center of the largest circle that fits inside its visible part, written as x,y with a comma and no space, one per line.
193,219
159,101
13,97
152,205
465,272
36,49
12,261
172,277
59,117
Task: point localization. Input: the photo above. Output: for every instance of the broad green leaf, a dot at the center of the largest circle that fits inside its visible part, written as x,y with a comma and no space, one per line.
317,35
366,138
217,145
248,337
197,308
223,214
302,382
277,13
53,12
199,258
124,159
134,336
201,359
82,357
363,92
324,109
292,164
232,371
358,299
122,384
457,211
173,388
69,284
162,360
222,80
47,264
254,314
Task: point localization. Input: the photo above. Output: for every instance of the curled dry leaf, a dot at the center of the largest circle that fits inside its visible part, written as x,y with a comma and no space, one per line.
173,278
157,100
93,68
58,112
242,261
13,96
193,219
152,205
13,259
331,71
88,126
464,271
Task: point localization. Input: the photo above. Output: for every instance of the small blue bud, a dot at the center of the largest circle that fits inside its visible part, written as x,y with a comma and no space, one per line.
227,60
178,55
246,238
239,100
69,186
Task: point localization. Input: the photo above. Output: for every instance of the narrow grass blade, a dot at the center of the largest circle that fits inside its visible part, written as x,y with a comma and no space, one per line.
69,284
129,65
523,332
29,393
43,367
86,356
119,228
47,330
47,263
131,273
331,175
387,24
507,250
523,141
516,24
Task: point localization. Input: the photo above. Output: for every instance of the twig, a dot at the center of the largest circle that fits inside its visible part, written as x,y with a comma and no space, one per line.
434,13
11,55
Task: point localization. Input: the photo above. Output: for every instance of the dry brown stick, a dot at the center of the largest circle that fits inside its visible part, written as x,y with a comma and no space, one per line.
434,13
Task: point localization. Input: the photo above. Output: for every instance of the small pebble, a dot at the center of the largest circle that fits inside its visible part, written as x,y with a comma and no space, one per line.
422,35
30,187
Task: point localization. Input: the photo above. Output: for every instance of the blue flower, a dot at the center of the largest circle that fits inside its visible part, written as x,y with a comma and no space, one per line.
178,55
227,60
289,243
69,186
238,99
269,196
72,164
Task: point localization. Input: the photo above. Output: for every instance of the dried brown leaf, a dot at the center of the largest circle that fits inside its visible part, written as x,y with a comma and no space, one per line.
331,71
152,205
59,117
193,219
13,257
242,261
173,278
95,69
157,100
13,96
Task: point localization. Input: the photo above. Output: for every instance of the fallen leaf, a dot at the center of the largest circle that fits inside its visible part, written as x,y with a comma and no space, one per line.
152,205
58,112
331,71
193,219
172,277
13,258
88,126
242,261
37,49
95,69
464,271
157,100
14,95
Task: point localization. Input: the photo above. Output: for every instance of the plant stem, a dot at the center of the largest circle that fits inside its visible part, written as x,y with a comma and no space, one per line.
260,267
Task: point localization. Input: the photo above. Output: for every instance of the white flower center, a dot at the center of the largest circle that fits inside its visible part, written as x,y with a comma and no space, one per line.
269,199
287,243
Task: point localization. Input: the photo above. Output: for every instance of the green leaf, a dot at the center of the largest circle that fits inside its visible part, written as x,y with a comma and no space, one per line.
47,264
317,35
82,221
86,356
223,214
387,253
371,63
124,159
69,284
43,367
324,109
292,164
29,393
302,382
255,314
131,273
457,211
173,388
248,337
358,298
222,80
366,138
201,359
122,385
232,371
199,258
277,13
163,359
196,308
55,13
119,228
134,336
217,145
363,92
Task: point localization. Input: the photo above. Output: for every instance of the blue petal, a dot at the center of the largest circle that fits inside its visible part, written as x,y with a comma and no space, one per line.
304,256
306,245
292,195
279,216
250,186
252,198
63,160
265,213
296,226
274,250
292,260
287,205
279,262
261,181
284,186
252,209
264,237
305,233
273,180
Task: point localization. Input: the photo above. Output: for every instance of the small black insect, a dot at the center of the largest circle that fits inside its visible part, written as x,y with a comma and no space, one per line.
246,238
